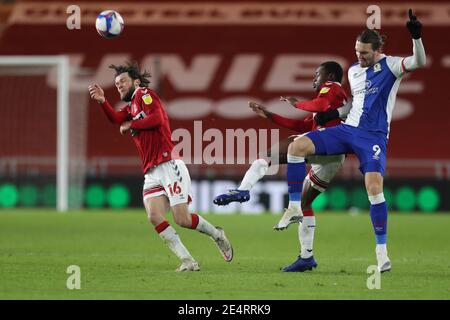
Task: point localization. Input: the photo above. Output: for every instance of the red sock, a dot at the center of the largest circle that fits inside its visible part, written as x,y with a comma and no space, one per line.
194,221
162,226
308,213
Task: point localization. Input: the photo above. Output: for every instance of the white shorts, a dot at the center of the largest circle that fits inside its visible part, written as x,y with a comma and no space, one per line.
171,179
323,170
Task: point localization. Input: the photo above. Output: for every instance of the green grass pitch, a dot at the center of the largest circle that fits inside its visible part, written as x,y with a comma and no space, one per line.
121,257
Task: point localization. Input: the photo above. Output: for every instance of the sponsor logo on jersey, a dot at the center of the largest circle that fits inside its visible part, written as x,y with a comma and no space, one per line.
140,115
324,90
147,99
377,67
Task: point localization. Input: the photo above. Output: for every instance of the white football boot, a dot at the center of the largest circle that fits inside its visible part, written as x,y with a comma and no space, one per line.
224,245
384,264
188,265
291,215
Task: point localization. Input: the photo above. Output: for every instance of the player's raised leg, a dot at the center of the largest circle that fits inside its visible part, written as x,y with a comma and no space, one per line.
258,169
379,215
156,208
296,172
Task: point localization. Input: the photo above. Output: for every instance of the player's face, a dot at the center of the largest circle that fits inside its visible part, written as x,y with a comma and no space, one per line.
320,78
365,54
125,86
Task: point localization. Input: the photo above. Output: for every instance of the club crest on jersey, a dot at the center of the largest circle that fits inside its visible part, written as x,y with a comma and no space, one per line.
324,90
377,67
147,99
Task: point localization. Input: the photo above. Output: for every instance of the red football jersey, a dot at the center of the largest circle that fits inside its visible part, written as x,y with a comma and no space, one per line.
330,97
150,126
153,137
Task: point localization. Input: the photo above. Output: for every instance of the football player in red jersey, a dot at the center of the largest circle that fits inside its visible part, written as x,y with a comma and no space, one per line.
330,96
167,181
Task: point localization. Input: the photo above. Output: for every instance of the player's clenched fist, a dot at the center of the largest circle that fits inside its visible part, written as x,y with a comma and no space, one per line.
97,93
414,25
125,127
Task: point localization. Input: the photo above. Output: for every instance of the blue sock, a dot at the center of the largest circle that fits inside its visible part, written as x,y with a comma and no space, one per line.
378,214
296,172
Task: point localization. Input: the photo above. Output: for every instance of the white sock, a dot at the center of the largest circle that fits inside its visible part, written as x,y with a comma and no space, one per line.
306,236
206,227
295,205
257,170
173,241
381,250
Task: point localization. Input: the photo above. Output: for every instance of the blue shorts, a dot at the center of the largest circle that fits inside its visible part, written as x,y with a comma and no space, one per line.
369,147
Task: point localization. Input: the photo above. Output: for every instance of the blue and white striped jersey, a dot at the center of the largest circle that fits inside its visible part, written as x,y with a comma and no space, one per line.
374,91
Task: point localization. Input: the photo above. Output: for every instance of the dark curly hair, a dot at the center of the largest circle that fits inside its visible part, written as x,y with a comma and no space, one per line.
134,71
334,68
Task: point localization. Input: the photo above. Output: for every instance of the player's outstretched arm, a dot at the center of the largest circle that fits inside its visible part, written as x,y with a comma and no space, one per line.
97,94
418,59
300,126
315,105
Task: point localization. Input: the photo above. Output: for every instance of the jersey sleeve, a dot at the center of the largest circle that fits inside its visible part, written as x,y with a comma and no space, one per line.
316,105
114,116
396,65
322,102
418,59
300,126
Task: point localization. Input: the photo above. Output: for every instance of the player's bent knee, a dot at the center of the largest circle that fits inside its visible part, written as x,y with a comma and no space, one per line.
374,183
374,189
301,147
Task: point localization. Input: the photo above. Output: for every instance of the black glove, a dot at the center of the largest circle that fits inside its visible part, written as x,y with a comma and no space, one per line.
414,26
322,118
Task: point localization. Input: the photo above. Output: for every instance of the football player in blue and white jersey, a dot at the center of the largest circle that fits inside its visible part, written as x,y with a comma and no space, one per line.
374,81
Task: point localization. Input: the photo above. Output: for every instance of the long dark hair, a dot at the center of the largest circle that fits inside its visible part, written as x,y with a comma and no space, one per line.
133,70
